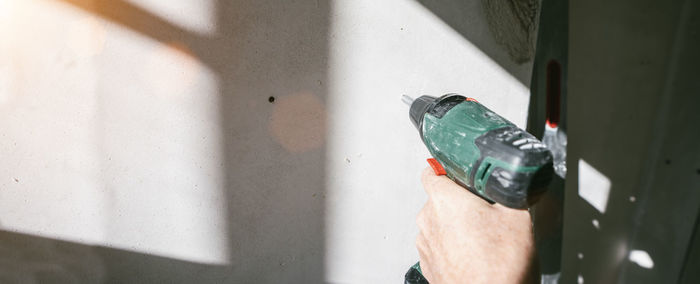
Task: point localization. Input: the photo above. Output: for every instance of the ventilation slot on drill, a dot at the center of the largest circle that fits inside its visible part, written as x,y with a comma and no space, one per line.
486,169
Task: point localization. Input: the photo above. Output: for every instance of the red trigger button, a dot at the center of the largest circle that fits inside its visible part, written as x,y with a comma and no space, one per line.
437,168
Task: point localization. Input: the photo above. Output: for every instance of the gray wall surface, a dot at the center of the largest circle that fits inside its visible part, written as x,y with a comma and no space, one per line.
140,141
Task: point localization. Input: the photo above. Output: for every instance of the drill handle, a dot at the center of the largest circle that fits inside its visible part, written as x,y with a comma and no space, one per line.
415,275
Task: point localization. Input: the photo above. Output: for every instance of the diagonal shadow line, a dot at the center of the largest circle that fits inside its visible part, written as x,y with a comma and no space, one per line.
143,22
469,19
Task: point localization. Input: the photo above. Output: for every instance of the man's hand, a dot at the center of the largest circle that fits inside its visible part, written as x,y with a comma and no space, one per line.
465,239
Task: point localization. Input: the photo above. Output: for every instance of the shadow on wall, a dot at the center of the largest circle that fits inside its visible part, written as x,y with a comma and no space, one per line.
270,61
31,259
504,30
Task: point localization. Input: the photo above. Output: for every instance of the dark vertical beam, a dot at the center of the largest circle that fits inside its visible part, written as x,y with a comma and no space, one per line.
548,91
630,113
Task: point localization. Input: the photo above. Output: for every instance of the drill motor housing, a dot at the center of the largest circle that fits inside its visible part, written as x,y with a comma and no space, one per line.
482,151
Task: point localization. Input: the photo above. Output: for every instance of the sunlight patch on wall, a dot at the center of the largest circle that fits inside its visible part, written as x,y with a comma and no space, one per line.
641,258
172,70
593,186
50,182
86,36
160,136
109,137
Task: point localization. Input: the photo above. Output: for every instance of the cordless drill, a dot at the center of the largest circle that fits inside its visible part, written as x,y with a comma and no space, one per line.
481,151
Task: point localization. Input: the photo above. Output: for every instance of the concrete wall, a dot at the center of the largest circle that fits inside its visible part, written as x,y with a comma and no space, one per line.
140,140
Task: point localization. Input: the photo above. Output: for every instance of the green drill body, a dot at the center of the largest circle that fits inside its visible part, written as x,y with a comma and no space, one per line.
481,151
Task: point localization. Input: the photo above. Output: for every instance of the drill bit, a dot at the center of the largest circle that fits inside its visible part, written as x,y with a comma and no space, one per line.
407,100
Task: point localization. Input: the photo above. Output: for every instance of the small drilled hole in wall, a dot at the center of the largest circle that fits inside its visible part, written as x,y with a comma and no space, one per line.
271,99
668,162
